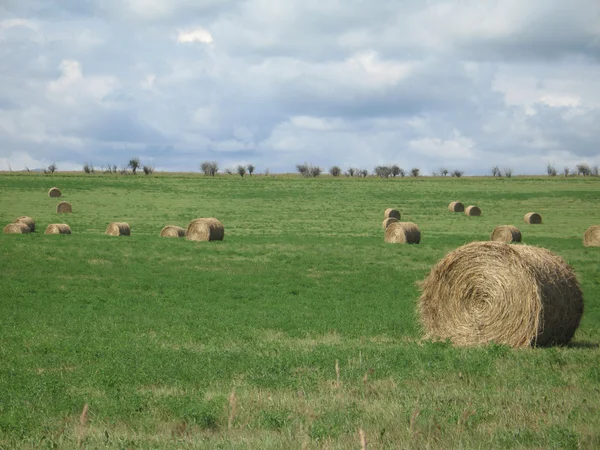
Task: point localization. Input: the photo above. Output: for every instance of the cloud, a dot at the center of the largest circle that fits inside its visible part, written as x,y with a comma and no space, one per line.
197,35
469,84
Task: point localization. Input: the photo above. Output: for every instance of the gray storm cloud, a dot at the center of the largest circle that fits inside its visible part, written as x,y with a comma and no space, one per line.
275,83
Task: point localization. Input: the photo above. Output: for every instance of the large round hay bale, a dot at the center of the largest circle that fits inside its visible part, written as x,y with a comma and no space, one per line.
402,233
17,228
64,207
386,222
533,218
472,211
205,229
506,233
27,221
591,238
390,212
58,228
172,231
118,229
54,192
515,295
456,207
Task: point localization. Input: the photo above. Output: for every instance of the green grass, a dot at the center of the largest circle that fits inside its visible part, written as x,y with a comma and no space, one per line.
155,334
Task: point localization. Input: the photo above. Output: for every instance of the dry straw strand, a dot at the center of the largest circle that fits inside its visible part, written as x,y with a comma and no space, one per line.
54,192
172,231
473,211
205,229
506,233
64,207
591,238
402,233
456,207
17,228
487,292
386,222
118,229
533,218
58,228
27,221
391,212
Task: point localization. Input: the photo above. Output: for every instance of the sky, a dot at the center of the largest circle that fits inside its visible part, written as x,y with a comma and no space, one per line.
465,85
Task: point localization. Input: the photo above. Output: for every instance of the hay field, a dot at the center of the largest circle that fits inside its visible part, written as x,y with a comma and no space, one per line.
298,329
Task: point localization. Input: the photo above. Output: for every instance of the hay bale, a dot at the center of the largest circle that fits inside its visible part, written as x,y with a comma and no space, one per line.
388,221
118,229
533,218
27,221
172,231
205,229
514,295
390,212
591,238
54,192
402,233
58,228
64,207
472,211
17,228
456,207
506,233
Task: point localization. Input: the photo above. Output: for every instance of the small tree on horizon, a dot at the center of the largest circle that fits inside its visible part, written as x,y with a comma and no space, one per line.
241,170
50,169
508,172
351,172
335,171
250,168
148,170
415,171
496,171
209,168
551,170
457,173
396,170
134,164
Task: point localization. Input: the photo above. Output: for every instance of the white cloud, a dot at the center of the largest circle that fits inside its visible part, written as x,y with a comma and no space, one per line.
196,35
456,147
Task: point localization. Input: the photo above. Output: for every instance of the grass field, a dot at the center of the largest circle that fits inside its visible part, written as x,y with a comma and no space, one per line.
296,331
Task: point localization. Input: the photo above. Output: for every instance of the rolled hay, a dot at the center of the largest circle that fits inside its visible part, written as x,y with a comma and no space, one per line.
58,228
17,228
591,238
27,221
514,295
390,212
118,229
205,229
386,222
402,233
64,207
456,207
506,233
54,192
472,211
172,231
533,218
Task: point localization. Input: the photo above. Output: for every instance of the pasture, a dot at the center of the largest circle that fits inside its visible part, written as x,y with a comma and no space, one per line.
298,330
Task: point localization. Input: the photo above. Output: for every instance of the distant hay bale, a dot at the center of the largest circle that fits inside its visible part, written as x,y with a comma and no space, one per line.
58,228
591,238
118,229
390,212
172,231
17,228
388,221
402,233
506,233
472,211
514,295
533,218
456,207
54,192
27,221
205,229
64,207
